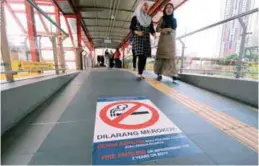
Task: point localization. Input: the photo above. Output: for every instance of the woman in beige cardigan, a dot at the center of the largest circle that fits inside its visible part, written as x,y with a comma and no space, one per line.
166,51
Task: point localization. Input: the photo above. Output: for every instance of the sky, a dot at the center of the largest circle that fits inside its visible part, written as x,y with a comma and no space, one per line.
195,14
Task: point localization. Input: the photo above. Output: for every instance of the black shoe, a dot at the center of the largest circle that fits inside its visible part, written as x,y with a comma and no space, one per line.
159,78
139,78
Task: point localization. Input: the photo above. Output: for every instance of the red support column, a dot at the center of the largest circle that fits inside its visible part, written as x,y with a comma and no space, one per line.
31,32
79,44
79,34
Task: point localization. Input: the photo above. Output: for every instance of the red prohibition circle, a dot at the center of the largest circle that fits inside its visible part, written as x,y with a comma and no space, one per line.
116,122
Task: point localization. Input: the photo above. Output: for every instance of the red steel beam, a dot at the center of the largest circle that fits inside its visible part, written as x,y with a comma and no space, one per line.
24,12
73,6
41,3
70,32
31,32
154,7
13,14
71,36
77,11
59,40
65,48
79,35
54,2
70,15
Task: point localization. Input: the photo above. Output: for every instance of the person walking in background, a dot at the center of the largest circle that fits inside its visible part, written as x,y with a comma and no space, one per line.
111,59
117,60
166,50
107,57
142,26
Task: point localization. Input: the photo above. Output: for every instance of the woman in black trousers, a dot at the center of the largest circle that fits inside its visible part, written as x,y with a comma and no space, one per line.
142,27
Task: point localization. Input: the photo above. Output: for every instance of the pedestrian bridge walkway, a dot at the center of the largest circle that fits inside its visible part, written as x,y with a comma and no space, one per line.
210,129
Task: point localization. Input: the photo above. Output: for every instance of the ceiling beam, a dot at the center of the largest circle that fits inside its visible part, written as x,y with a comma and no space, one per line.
105,26
104,37
107,19
112,31
99,9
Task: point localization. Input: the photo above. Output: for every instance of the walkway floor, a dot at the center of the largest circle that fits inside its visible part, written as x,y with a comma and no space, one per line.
60,132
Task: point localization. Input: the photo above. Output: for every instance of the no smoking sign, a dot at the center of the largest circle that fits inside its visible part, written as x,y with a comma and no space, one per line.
129,115
130,130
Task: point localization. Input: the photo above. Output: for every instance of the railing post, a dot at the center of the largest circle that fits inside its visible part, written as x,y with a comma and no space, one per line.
182,56
5,54
53,41
62,54
242,48
60,39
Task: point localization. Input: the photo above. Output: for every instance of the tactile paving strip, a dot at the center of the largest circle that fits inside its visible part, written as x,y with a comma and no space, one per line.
242,132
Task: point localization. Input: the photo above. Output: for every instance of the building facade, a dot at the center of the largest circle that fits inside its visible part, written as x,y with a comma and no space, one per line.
232,31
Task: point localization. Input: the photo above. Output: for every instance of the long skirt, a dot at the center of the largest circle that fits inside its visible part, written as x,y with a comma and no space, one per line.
166,67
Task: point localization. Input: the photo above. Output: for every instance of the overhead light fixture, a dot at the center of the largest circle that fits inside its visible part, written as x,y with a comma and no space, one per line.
107,41
112,17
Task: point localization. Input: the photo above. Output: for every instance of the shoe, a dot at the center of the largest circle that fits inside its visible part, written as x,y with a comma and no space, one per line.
159,78
139,78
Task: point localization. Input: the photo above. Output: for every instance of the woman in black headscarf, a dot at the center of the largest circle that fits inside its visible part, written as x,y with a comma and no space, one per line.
166,51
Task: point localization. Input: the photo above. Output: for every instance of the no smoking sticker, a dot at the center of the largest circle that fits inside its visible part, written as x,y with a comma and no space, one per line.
129,115
132,129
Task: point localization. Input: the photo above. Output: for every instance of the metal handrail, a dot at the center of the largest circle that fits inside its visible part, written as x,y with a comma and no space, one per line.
216,24
21,71
220,22
33,4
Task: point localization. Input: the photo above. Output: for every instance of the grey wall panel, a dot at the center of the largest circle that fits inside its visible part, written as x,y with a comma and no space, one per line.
17,102
243,90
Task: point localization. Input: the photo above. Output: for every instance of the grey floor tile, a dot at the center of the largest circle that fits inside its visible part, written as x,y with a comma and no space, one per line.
16,159
71,156
167,161
74,135
196,159
192,123
224,149
247,116
25,139
148,163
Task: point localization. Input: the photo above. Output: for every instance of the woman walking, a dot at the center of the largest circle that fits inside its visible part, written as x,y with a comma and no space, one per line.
117,60
142,27
111,59
166,51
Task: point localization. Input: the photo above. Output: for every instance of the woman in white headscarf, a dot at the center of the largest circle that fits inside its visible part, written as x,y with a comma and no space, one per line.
141,27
